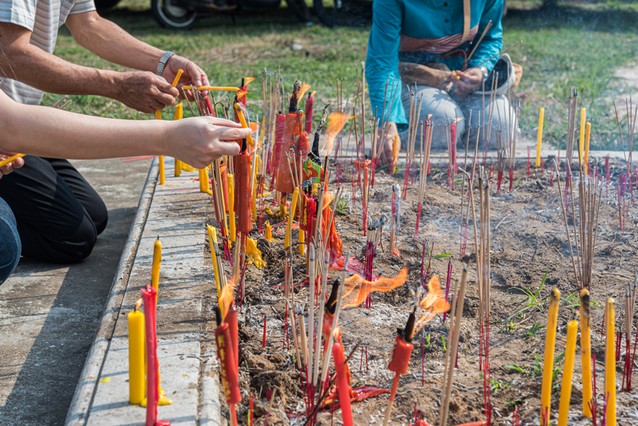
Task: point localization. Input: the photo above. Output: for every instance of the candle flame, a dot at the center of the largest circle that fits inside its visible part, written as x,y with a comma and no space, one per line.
336,121
365,287
302,91
138,304
228,294
433,303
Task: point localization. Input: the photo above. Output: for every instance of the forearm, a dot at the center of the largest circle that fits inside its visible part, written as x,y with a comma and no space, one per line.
36,130
46,72
110,42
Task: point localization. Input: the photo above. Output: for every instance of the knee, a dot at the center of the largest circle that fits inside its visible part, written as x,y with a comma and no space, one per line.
71,245
100,218
10,246
79,244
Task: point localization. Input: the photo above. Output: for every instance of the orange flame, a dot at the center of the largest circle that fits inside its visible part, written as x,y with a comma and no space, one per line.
302,91
336,121
227,294
138,304
366,287
433,303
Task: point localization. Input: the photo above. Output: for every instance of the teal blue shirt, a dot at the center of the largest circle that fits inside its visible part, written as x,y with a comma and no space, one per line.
421,31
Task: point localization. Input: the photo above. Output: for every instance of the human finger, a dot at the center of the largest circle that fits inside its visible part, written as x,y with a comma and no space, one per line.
218,121
231,133
228,148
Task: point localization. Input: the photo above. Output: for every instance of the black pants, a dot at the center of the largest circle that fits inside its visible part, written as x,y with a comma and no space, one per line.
59,214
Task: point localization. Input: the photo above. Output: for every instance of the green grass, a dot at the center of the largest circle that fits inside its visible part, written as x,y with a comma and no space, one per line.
575,45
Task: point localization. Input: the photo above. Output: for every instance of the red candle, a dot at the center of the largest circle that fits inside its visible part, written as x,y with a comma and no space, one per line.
342,381
149,295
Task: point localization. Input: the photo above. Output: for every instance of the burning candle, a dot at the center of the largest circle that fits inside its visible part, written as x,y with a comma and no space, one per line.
293,207
231,208
610,364
585,346
157,260
136,367
581,140
539,143
568,371
548,360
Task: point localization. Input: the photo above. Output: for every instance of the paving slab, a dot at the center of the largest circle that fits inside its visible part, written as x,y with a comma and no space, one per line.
176,212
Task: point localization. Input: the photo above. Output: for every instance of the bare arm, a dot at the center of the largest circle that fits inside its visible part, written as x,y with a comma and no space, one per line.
109,41
36,130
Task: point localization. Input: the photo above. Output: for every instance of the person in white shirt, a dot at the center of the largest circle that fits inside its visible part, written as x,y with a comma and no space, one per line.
58,213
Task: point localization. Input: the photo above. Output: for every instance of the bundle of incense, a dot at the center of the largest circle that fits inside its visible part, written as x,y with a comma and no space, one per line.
482,244
424,158
631,118
582,237
630,307
451,354
394,222
585,345
413,128
373,238
452,166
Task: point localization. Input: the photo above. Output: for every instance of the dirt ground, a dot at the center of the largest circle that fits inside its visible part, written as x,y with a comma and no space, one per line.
528,242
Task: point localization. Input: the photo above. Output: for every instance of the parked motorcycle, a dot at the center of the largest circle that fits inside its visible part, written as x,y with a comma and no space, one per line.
183,14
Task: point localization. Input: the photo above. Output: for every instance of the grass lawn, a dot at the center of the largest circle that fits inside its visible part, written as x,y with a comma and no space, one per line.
577,45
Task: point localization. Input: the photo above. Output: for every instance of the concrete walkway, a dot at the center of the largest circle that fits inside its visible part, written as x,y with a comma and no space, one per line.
176,212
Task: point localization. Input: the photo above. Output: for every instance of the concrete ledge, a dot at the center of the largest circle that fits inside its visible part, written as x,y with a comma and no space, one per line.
177,213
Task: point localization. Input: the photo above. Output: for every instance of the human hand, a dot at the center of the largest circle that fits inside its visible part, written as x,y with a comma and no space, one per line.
193,75
9,167
389,133
200,140
468,81
144,91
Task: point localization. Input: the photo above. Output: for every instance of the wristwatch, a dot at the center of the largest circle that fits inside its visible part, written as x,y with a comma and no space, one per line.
162,62
484,71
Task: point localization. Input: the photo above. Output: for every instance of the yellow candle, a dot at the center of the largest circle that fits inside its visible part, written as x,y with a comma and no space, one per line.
585,347
301,240
230,179
212,242
179,114
396,144
11,159
539,143
212,88
293,207
587,138
548,360
204,184
610,364
581,144
157,259
162,175
136,363
568,371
